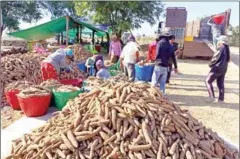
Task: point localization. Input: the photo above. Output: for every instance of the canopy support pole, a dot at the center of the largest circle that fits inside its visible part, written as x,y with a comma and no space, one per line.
80,34
61,38
67,22
93,40
108,41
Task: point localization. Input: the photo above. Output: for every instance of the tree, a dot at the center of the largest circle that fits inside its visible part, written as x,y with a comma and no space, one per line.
14,11
234,38
58,8
121,15
29,11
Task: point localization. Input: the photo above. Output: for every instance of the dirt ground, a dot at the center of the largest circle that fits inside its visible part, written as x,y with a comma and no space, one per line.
188,91
8,116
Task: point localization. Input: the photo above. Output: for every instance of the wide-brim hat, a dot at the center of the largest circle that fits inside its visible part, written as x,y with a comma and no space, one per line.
165,34
223,39
131,38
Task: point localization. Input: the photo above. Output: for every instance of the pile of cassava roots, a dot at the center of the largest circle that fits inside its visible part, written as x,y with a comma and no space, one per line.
121,120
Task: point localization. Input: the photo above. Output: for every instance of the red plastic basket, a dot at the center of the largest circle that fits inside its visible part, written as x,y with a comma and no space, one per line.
74,82
35,106
12,99
218,19
98,48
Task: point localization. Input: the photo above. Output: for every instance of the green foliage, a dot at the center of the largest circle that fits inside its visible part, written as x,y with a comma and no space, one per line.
234,39
29,11
121,15
14,11
58,8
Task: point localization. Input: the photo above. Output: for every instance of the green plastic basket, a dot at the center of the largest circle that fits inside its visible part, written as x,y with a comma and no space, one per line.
61,98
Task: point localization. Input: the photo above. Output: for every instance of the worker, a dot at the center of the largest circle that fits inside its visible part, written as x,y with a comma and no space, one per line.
218,69
152,49
102,72
129,57
55,63
216,31
115,49
172,60
91,62
163,54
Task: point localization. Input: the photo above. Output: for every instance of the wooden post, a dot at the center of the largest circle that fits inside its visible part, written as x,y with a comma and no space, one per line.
77,34
67,25
61,38
80,36
93,40
108,41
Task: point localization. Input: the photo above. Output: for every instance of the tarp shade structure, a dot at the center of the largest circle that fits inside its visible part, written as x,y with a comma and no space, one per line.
73,32
50,29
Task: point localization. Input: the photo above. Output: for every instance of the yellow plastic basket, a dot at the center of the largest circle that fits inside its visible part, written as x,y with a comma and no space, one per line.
188,38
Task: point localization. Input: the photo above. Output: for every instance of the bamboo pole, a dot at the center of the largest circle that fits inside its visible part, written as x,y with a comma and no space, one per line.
67,25
80,34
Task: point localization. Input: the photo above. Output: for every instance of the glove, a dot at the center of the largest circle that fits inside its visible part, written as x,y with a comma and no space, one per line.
68,70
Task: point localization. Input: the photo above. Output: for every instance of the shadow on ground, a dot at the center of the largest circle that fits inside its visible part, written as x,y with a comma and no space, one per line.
235,59
191,102
199,78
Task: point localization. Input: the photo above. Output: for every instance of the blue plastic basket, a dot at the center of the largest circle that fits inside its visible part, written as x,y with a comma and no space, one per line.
81,66
144,73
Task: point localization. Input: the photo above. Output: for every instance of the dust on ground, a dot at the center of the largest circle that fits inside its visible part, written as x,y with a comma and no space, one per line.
8,116
188,90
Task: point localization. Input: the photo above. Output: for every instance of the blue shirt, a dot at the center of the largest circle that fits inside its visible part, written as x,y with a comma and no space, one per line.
103,73
164,52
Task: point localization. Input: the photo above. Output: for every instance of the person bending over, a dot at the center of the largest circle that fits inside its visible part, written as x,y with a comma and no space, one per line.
55,63
102,71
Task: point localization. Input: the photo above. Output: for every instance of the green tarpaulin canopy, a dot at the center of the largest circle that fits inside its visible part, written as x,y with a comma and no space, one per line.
50,29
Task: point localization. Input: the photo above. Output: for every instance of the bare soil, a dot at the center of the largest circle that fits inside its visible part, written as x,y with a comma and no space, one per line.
8,116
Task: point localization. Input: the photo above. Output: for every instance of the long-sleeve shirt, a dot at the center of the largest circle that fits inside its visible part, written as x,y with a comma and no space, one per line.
164,52
103,73
115,48
152,51
220,59
173,60
58,60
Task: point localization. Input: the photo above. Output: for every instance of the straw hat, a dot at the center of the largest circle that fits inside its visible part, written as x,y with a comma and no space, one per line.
132,38
223,39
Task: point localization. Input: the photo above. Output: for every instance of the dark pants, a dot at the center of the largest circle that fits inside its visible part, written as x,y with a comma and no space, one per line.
169,72
129,70
212,76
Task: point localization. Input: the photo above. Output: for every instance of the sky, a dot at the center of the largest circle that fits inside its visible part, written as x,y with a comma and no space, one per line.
194,10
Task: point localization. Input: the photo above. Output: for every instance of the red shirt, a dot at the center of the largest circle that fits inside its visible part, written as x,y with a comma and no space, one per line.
152,51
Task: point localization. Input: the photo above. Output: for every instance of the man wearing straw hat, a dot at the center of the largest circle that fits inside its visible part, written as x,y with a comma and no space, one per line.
218,69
